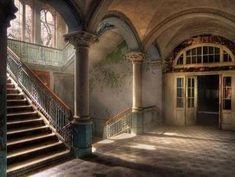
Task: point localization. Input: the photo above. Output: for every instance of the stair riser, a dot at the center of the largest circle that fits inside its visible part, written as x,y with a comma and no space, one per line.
17,103
10,86
22,117
15,97
30,155
12,127
19,146
21,135
8,81
19,109
11,91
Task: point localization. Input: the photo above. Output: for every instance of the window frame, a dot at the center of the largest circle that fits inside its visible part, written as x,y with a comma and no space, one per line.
202,45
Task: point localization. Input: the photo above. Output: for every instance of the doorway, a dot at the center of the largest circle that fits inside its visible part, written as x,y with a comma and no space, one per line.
208,100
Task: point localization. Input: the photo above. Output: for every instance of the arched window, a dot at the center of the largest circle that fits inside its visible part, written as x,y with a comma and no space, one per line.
22,26
16,30
204,55
47,28
28,24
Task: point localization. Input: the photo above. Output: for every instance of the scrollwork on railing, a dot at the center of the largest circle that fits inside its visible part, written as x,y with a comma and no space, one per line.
122,122
54,109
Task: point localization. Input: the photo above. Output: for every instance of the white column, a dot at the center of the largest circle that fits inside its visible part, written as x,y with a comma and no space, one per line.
137,60
82,125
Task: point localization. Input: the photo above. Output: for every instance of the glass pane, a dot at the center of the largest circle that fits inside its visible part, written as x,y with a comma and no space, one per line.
217,50
227,104
205,50
205,59
29,24
15,30
217,58
199,51
227,81
47,28
194,51
199,59
188,60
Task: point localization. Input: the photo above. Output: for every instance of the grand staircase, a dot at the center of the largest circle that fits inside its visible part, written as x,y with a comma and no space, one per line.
31,143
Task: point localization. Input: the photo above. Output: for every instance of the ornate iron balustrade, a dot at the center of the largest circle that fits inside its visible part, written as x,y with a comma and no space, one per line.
122,122
53,108
41,55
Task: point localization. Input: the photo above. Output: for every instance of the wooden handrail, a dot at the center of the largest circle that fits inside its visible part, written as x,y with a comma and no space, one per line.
40,82
122,113
118,116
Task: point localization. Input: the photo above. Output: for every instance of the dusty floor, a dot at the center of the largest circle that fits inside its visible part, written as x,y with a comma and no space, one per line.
163,152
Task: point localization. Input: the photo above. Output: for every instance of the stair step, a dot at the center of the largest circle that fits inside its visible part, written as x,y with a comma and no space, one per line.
22,102
16,125
24,133
29,153
12,91
27,137
31,141
10,85
8,80
36,162
22,116
15,96
16,109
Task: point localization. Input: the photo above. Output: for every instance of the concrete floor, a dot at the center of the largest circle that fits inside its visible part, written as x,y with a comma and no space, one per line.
162,152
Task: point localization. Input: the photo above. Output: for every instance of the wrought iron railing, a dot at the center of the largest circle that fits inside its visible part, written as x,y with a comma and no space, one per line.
54,109
122,122
41,55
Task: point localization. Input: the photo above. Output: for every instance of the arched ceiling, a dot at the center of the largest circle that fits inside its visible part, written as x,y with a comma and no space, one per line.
165,23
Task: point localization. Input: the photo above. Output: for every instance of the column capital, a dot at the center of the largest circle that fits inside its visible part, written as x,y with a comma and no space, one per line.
7,12
135,57
81,38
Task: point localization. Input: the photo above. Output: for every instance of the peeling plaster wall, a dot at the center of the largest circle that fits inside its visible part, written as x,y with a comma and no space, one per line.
111,87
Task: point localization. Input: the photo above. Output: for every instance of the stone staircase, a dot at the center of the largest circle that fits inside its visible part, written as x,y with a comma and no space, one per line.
31,143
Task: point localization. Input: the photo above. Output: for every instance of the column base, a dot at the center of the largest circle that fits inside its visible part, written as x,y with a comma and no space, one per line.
137,123
82,138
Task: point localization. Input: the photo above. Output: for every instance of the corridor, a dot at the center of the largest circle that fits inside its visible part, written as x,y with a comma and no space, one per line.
162,152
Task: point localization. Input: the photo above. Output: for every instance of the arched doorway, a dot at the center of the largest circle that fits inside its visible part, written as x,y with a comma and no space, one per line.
199,83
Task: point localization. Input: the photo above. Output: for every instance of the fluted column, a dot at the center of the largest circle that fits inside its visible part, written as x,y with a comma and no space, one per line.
82,126
7,10
137,60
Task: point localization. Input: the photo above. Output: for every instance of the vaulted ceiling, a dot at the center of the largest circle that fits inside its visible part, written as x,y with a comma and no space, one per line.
167,23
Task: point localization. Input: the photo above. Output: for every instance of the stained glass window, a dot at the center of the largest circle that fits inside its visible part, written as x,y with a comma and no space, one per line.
47,28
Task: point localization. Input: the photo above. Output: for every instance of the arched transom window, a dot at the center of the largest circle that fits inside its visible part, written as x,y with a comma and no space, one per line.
204,55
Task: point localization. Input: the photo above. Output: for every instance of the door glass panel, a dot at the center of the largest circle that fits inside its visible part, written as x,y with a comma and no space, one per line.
180,93
191,90
227,93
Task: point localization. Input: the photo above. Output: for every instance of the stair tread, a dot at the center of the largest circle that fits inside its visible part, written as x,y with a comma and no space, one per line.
16,100
36,160
23,106
24,121
21,113
27,150
26,130
29,139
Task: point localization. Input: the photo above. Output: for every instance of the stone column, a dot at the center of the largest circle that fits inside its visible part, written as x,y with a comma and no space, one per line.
7,10
82,125
137,116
